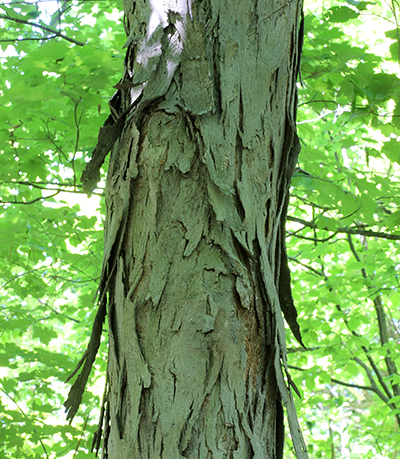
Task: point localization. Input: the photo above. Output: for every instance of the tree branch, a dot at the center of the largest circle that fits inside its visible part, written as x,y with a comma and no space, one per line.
360,232
46,186
373,388
13,40
42,198
356,386
45,28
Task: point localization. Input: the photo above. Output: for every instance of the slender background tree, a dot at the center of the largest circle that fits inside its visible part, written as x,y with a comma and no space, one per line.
343,219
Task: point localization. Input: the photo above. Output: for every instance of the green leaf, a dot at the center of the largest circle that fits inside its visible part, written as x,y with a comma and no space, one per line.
342,14
391,149
392,221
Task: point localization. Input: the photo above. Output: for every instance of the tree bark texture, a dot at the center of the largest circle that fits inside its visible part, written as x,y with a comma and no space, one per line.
196,199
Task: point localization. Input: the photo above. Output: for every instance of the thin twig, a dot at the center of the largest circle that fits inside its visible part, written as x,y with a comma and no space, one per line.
26,417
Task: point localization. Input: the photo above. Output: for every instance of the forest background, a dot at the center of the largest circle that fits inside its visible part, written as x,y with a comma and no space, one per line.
60,61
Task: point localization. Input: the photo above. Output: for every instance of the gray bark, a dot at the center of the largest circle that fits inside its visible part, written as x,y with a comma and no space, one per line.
196,199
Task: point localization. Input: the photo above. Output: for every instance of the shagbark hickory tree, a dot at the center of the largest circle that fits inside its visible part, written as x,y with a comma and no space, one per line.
195,278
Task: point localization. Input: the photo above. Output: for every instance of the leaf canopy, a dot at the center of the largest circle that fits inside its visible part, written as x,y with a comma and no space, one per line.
342,232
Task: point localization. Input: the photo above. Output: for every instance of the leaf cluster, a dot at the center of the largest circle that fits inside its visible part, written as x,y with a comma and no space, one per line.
53,97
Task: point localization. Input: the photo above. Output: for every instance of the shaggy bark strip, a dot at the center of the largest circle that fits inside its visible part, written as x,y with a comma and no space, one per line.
196,202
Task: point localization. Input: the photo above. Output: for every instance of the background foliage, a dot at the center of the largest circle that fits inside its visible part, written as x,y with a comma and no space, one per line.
343,229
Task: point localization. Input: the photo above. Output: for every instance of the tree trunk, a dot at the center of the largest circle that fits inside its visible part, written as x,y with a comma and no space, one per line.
196,201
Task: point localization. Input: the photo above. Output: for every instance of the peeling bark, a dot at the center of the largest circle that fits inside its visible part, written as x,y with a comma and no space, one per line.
196,200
